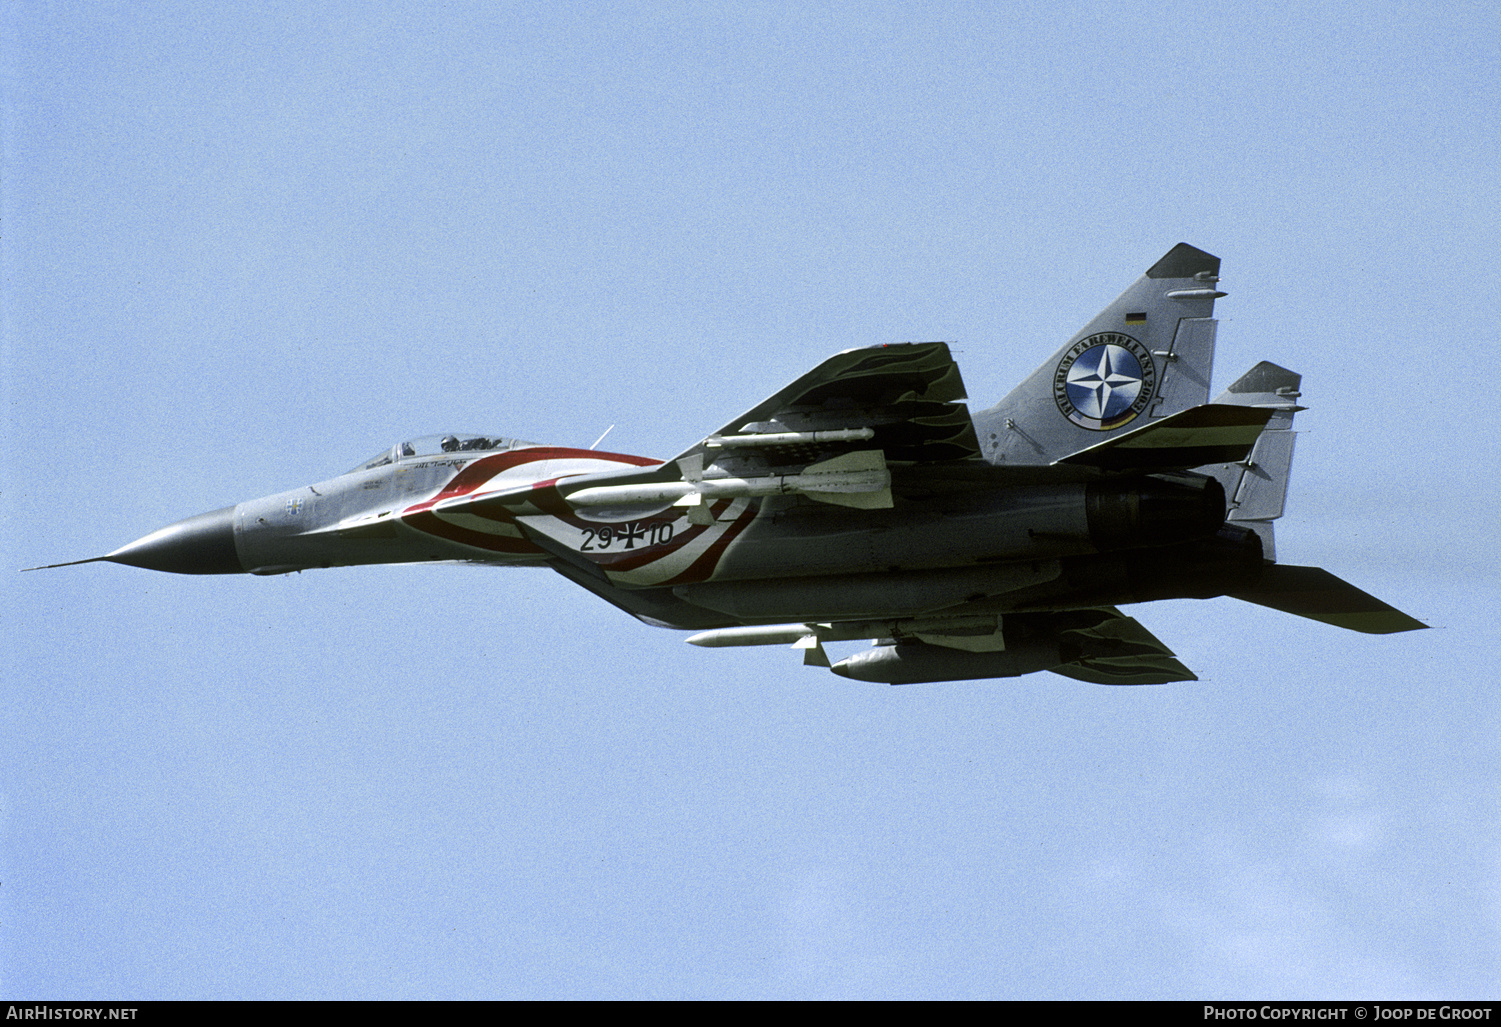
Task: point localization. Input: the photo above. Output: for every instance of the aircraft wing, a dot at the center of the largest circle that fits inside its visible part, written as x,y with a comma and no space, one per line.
908,396
1097,644
834,435
1119,651
1206,434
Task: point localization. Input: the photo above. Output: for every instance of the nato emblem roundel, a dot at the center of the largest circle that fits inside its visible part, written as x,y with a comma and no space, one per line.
1104,381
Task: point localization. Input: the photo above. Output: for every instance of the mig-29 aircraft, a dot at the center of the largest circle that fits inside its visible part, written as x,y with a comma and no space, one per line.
863,501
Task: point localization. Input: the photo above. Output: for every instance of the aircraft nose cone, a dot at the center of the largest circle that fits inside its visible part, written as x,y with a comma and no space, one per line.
197,545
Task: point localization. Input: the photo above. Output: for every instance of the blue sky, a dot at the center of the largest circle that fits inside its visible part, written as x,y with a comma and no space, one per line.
248,246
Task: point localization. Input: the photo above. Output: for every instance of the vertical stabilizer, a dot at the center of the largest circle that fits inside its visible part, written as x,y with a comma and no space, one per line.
1147,355
1256,487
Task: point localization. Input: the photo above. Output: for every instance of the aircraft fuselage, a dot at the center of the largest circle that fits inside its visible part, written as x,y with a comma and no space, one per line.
749,558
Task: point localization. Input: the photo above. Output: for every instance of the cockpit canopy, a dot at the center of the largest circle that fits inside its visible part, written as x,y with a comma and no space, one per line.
437,445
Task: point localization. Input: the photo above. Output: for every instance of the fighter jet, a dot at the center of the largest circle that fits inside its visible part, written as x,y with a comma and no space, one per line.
864,501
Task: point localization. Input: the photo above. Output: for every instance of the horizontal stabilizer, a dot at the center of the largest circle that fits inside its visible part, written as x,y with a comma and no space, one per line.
1314,593
1208,434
